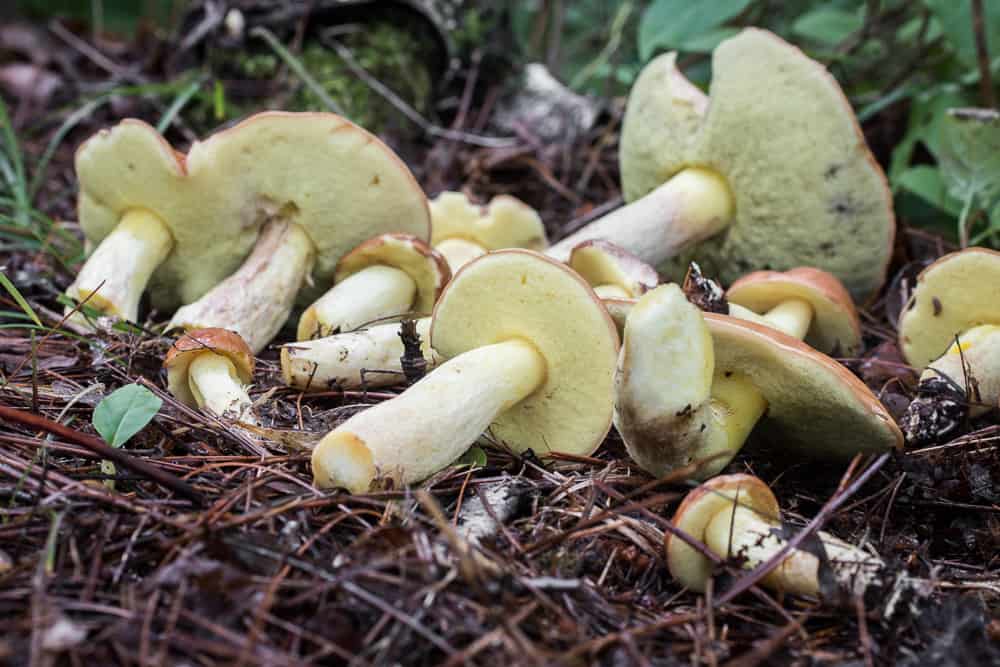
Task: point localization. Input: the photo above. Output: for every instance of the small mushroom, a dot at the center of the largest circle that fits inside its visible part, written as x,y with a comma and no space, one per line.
752,180
210,368
386,276
302,187
737,516
613,272
530,355
691,386
368,357
462,231
951,328
805,303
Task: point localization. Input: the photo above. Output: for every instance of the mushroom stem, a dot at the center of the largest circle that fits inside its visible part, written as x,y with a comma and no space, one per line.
216,387
256,300
115,275
692,206
371,294
740,531
412,436
339,360
459,252
611,292
792,316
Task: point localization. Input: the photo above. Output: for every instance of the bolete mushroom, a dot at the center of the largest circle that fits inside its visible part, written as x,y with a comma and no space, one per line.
737,516
210,368
805,303
530,354
951,328
186,223
691,386
773,174
369,357
386,276
613,272
462,231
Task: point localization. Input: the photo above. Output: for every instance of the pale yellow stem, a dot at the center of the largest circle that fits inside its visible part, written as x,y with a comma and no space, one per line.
792,316
216,386
611,292
459,252
371,294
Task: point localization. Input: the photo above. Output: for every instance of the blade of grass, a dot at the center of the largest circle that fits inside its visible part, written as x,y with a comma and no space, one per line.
296,66
15,166
180,101
57,138
17,296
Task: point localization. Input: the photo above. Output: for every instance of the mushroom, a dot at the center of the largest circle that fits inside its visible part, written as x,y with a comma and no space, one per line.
691,386
185,223
386,276
210,368
951,328
462,231
613,272
805,303
530,354
365,358
753,180
738,516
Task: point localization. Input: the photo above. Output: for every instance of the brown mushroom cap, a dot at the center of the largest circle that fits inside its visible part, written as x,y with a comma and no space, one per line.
835,325
506,222
521,295
197,341
603,263
779,130
318,170
957,292
699,507
426,266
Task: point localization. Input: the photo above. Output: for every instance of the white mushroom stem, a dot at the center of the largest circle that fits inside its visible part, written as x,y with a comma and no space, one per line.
116,274
611,292
216,387
459,252
369,358
367,296
973,360
792,317
692,206
741,532
412,436
256,300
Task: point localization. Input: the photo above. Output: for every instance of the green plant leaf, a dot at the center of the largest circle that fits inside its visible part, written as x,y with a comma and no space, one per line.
955,17
671,24
124,412
19,298
827,25
969,154
474,457
925,182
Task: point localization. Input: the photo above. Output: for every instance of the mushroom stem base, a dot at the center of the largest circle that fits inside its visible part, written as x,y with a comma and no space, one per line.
115,275
692,206
216,387
256,300
410,437
735,407
371,294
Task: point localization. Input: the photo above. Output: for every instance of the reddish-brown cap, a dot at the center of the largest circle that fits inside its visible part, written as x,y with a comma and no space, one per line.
194,342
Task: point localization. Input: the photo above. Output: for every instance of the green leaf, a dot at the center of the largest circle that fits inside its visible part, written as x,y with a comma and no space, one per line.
956,22
474,457
124,412
925,182
827,25
671,24
19,298
926,114
969,154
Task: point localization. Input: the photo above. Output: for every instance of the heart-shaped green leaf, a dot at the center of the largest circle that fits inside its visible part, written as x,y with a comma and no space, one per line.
969,154
124,412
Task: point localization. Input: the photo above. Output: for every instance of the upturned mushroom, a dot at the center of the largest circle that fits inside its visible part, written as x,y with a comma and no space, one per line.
530,354
613,272
752,180
386,276
462,231
951,328
294,191
805,303
737,516
691,386
209,369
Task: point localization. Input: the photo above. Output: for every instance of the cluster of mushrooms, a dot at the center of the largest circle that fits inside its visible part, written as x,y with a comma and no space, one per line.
547,346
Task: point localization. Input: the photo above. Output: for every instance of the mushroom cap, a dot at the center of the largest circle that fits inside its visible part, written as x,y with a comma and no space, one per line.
835,325
318,170
815,405
427,267
957,292
806,189
506,222
603,263
519,294
696,511
194,342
